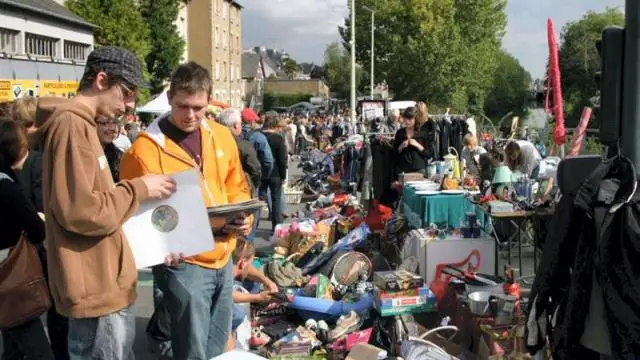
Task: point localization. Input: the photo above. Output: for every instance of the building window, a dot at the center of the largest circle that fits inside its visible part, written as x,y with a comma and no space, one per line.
217,37
217,70
225,39
75,51
239,77
238,43
224,70
9,41
39,45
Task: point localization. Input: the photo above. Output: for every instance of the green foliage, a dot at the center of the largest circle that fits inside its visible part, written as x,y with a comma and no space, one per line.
441,51
290,67
119,23
167,46
579,60
337,70
510,88
272,100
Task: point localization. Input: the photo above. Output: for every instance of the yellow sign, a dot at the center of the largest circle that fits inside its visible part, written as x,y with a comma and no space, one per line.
15,89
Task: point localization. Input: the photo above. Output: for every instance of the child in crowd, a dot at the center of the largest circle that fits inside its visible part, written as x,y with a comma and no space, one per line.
243,269
471,153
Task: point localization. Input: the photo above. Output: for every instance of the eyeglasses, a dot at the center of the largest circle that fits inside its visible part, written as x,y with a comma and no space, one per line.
127,93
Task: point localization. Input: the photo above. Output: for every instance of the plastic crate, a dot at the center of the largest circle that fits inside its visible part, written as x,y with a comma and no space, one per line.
293,196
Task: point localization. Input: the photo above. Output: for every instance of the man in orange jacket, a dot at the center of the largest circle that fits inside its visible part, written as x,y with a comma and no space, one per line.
197,292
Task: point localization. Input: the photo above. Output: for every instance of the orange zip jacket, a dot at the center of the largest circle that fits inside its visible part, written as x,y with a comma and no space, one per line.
222,179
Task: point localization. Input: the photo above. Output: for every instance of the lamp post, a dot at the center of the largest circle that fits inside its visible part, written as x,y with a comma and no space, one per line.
353,62
373,42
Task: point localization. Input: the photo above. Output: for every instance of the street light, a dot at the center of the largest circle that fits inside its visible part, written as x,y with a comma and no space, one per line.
373,41
353,62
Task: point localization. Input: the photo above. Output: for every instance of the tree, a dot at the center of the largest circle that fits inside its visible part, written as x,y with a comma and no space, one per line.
337,70
579,60
119,23
167,46
290,67
440,51
510,88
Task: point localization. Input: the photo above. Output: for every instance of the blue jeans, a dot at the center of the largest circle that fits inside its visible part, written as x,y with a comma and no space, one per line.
256,220
105,337
200,304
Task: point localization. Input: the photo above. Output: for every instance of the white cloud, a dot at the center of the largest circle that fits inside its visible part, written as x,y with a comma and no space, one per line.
304,27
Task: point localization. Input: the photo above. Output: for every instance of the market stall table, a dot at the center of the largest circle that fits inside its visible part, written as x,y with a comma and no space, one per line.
423,210
519,219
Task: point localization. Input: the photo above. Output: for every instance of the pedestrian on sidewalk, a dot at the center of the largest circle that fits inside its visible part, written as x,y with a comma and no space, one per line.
197,292
93,275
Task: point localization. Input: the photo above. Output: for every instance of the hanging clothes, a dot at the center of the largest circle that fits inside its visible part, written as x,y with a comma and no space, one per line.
459,129
445,137
431,128
382,155
592,241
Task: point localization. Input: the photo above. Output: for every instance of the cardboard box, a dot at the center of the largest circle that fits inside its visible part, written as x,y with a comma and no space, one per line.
404,302
397,280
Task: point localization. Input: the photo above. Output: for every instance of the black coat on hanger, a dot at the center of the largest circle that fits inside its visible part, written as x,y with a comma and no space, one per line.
594,234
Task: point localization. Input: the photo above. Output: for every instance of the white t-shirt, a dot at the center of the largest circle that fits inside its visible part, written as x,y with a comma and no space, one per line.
530,155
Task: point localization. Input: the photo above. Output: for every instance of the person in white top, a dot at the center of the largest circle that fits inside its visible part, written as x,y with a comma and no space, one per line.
291,136
522,156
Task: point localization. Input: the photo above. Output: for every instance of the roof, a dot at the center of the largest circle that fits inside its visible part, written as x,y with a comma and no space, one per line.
48,8
250,64
236,4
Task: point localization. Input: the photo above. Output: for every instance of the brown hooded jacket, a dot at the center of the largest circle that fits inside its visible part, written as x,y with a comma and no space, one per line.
91,268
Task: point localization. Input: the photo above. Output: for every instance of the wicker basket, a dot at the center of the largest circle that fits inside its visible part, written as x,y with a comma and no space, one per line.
293,196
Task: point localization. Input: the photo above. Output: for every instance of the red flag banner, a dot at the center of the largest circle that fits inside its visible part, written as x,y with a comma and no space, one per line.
580,132
553,79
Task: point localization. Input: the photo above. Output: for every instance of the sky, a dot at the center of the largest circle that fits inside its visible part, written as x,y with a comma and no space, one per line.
303,28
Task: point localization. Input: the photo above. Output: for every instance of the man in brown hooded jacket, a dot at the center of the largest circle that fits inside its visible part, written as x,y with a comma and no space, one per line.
92,273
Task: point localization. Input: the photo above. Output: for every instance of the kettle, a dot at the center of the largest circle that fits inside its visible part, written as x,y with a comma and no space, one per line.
452,162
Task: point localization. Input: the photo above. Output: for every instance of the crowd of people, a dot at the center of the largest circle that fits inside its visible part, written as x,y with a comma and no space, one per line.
72,171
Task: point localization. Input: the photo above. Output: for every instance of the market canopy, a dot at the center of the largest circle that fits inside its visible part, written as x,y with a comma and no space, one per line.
160,105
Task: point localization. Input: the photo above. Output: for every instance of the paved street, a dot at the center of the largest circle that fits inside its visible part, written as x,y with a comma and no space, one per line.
144,304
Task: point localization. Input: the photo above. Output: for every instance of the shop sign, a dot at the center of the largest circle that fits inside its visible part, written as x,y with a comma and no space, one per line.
14,89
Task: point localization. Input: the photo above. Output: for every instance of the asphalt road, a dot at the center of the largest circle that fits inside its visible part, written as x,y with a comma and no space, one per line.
144,305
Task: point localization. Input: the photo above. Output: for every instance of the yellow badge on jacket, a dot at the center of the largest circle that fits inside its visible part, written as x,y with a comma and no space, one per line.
102,162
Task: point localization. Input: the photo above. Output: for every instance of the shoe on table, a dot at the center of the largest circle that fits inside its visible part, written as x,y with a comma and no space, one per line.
345,325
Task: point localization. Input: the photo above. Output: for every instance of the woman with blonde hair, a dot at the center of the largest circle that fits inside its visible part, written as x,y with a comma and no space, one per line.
430,128
422,114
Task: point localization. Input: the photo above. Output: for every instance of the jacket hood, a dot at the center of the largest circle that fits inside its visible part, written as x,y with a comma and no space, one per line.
49,108
45,108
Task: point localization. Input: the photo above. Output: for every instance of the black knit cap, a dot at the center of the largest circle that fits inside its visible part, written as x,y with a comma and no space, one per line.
115,61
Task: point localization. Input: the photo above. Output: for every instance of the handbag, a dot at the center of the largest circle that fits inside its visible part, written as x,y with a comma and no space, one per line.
24,294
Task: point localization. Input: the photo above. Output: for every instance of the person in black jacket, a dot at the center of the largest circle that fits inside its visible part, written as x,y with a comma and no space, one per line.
17,215
411,145
232,119
279,174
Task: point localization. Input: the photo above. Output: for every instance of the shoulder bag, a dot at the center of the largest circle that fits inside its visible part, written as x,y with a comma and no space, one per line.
24,294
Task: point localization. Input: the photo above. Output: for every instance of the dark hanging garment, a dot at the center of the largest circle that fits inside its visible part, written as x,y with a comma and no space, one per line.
595,247
382,154
445,137
459,129
431,129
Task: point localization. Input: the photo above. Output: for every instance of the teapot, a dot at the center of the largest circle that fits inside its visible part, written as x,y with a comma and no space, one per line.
452,162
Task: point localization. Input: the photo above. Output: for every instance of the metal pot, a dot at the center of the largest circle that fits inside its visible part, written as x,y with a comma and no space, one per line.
479,303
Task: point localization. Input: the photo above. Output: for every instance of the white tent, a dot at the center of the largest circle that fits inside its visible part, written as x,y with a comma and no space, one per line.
159,105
